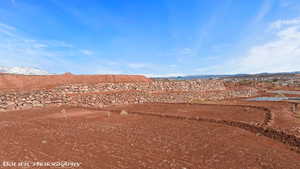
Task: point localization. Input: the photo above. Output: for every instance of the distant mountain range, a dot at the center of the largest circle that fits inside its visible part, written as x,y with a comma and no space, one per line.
23,70
37,71
226,76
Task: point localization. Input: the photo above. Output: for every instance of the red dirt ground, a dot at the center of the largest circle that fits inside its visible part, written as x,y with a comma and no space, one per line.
283,116
28,82
105,139
218,112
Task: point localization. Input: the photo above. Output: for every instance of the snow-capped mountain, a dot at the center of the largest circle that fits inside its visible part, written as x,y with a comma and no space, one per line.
23,70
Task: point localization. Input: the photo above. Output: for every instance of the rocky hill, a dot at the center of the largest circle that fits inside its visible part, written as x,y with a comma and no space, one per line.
106,90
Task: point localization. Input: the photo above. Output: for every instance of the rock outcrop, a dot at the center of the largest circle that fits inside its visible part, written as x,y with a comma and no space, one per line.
105,94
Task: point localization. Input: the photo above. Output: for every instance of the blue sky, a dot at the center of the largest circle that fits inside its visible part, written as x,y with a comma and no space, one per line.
151,37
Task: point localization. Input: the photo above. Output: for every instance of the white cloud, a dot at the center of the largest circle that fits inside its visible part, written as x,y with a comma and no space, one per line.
186,51
278,24
7,30
19,50
137,65
87,52
40,45
281,54
164,75
61,44
8,27
172,66
107,71
264,10
55,56
208,70
291,5
23,70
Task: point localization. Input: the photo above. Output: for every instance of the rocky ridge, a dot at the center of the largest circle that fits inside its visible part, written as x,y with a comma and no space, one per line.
105,94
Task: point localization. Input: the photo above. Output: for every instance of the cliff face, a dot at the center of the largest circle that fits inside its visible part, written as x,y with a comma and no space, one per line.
106,94
30,82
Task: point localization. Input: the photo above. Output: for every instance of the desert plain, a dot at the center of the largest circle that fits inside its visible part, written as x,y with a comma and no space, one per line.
128,122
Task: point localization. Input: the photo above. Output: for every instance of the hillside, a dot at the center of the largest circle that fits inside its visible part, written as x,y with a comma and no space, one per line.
28,82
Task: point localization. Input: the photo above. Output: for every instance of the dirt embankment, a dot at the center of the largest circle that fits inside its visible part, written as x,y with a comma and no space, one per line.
29,82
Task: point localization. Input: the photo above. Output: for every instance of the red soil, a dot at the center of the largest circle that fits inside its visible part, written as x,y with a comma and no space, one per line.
283,116
28,82
99,139
218,112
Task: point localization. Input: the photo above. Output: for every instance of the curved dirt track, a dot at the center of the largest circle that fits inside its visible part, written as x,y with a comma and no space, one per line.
259,128
150,136
284,116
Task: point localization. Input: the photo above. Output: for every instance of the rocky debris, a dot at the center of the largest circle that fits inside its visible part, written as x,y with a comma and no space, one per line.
104,94
44,141
63,111
155,86
108,113
124,113
296,129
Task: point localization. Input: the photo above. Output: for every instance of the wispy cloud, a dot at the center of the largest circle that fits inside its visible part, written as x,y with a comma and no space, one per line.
280,53
263,11
13,2
289,4
164,75
4,26
87,52
57,43
187,51
172,66
107,71
137,65
280,23
153,70
7,30
19,50
56,56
